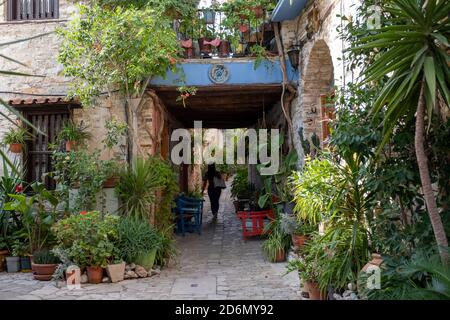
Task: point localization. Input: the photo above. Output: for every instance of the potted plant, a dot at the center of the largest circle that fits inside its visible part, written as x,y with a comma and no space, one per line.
177,9
88,239
3,254
138,242
16,139
240,189
299,231
73,135
85,175
209,15
44,264
275,248
302,234
12,264
308,274
37,214
276,245
4,245
20,249
116,270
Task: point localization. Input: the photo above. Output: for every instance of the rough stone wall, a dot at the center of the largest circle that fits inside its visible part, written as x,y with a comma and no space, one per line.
40,58
38,55
321,67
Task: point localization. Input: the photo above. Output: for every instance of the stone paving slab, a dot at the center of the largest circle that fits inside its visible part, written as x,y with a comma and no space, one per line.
219,262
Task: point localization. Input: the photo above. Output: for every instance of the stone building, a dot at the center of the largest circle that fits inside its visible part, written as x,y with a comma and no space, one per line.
243,99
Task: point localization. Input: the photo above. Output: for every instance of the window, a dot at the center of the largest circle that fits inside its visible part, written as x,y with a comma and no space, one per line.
37,160
19,10
328,114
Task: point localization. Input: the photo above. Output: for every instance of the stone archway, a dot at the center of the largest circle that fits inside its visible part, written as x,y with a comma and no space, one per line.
317,82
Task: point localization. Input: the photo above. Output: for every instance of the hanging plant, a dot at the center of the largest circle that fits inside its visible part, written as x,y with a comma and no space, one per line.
16,139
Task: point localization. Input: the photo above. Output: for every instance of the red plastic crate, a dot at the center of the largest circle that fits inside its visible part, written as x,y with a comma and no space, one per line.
254,222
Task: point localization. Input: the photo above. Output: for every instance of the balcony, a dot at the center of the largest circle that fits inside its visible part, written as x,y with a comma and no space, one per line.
234,66
226,71
20,10
213,33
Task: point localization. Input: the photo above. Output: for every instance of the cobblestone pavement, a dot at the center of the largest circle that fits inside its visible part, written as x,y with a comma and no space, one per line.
219,264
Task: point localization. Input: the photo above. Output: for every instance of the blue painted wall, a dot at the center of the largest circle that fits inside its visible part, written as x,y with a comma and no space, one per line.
288,10
242,72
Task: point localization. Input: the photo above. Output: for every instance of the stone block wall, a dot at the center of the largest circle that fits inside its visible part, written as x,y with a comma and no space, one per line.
40,58
38,55
321,65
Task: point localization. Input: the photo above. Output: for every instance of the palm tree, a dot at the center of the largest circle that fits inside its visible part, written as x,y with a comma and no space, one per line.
414,53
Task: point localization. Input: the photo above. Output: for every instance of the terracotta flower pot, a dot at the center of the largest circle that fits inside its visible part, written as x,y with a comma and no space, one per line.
244,28
70,145
236,205
188,53
243,16
111,182
15,147
95,274
314,291
205,48
299,240
258,11
3,255
224,49
280,257
173,13
43,272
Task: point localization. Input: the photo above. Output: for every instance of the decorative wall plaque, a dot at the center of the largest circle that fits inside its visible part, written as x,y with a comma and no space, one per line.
219,74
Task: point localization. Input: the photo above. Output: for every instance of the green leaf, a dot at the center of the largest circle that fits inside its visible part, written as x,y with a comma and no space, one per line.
442,39
430,77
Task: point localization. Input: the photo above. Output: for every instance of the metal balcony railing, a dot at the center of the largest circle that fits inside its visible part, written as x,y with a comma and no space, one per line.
18,10
210,37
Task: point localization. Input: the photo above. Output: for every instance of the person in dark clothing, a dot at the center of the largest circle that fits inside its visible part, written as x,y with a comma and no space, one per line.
214,192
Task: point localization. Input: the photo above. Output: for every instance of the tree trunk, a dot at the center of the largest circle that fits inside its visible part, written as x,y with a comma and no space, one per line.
286,86
422,161
129,133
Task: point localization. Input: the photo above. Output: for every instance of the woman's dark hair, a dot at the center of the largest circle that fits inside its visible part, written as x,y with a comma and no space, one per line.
211,171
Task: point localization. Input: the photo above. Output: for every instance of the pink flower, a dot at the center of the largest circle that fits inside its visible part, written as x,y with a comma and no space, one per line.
19,188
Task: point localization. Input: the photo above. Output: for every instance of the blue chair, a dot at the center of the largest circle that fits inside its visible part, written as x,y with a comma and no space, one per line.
189,214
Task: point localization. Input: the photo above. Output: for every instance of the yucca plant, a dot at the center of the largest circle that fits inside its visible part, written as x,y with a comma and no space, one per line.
413,55
136,189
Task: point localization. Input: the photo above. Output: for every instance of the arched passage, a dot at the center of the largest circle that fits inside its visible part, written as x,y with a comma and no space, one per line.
318,82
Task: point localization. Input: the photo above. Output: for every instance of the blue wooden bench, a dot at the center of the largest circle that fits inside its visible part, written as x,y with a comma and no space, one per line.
188,214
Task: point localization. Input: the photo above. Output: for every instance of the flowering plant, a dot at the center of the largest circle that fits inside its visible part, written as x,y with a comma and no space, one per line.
88,238
185,93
